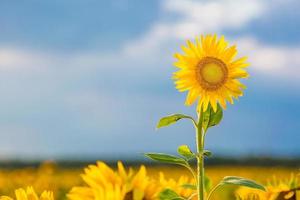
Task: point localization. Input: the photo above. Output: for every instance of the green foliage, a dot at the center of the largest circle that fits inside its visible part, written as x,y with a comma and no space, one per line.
189,186
171,119
207,184
207,153
234,180
211,118
185,151
169,194
166,158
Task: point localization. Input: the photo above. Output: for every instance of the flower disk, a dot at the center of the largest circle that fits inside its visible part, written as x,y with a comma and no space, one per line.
209,72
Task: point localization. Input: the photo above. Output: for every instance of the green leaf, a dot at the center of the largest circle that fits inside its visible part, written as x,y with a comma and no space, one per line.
171,119
166,158
207,184
216,117
207,153
234,180
189,186
211,118
185,151
169,194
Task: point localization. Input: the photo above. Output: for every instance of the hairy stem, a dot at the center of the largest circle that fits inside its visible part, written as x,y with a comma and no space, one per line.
200,158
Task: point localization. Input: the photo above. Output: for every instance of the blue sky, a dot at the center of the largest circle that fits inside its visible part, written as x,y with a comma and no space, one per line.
91,78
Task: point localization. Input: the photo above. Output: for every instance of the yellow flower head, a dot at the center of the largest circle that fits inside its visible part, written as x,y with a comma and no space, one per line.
276,190
209,72
245,193
103,183
29,194
284,189
176,186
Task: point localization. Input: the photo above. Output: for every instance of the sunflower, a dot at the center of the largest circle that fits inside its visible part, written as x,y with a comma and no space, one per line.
209,72
276,190
245,193
106,184
284,189
177,186
29,194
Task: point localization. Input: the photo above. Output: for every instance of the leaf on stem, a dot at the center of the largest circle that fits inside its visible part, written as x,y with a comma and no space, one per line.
185,151
207,184
189,186
234,180
169,194
207,153
171,119
166,158
211,118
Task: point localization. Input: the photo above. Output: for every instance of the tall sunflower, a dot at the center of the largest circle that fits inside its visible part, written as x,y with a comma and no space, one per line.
209,72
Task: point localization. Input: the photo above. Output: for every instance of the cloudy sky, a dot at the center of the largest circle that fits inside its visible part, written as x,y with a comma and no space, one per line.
89,78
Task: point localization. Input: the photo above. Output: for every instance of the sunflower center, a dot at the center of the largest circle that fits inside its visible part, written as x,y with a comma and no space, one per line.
211,73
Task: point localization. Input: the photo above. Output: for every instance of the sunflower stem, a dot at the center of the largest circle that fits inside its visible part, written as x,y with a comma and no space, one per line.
200,157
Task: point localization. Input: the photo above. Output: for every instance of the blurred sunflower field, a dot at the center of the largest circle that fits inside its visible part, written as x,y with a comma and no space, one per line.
134,182
83,80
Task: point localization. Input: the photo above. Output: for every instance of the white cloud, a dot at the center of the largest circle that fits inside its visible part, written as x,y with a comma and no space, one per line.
189,18
207,16
195,17
212,17
12,59
282,62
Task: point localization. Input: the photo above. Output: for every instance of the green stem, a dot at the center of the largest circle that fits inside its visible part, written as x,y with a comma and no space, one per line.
192,171
212,191
200,158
